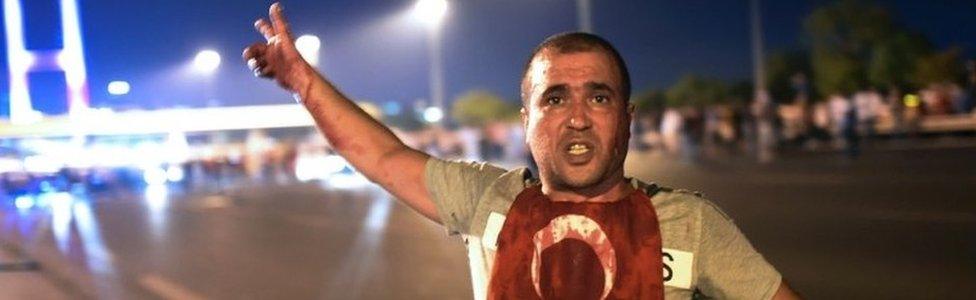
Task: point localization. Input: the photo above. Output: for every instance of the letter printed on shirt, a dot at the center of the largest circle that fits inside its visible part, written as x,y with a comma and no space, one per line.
677,267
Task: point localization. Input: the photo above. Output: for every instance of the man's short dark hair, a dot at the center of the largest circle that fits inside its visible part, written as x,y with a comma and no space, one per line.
574,42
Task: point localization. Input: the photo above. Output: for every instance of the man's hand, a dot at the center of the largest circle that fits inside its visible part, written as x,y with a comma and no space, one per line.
364,142
277,57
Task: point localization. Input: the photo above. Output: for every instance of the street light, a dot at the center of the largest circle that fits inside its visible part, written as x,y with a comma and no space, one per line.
308,46
118,88
431,13
206,61
433,114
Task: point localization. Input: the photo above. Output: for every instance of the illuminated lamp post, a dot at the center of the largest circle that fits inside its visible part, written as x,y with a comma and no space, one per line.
206,63
431,13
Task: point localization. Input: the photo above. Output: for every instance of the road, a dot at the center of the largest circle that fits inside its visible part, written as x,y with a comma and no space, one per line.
897,224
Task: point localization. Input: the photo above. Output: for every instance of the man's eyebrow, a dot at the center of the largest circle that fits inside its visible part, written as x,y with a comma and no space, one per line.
555,88
598,86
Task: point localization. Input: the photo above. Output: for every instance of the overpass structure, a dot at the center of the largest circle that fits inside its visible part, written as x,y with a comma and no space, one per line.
107,122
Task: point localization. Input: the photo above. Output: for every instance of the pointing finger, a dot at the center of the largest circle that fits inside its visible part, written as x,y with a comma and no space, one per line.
264,28
278,19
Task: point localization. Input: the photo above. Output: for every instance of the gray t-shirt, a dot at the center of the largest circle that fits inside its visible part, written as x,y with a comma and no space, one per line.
702,249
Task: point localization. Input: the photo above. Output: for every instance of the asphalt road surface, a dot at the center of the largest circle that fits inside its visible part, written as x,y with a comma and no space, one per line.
893,224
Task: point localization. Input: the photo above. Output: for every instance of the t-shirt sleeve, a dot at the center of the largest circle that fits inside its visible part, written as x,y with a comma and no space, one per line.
730,268
455,188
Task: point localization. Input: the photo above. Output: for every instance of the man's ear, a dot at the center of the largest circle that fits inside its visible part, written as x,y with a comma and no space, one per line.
631,109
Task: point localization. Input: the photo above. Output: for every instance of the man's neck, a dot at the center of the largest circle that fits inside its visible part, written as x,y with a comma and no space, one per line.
605,192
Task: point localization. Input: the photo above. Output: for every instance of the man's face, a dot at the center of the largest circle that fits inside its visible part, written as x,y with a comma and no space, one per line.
576,118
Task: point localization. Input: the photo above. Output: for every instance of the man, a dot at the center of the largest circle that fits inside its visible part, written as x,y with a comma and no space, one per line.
581,230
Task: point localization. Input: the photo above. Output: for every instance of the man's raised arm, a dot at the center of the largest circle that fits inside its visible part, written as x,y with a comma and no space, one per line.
366,143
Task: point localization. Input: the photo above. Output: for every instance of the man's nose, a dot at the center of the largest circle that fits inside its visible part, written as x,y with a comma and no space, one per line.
579,116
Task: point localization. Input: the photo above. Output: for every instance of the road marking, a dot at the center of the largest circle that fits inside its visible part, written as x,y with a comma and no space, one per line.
210,202
216,201
167,289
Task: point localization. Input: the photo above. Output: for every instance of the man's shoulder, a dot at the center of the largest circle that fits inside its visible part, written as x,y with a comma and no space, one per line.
466,165
509,184
499,195
664,197
676,204
468,176
470,191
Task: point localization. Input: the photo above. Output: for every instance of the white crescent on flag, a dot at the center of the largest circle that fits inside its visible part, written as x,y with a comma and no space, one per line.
578,227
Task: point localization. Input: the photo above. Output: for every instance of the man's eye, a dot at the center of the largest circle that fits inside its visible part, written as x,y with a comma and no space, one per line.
601,99
554,100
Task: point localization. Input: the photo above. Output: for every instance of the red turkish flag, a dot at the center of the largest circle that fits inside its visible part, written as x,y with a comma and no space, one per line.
563,250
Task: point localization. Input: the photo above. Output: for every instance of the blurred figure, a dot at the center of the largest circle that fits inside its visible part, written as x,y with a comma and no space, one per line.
820,124
649,128
672,124
693,132
937,99
725,127
470,138
896,112
255,159
289,156
515,144
494,141
970,104
447,142
849,131
794,125
839,107
869,108
958,98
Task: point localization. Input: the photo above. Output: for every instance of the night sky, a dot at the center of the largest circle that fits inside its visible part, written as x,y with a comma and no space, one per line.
373,51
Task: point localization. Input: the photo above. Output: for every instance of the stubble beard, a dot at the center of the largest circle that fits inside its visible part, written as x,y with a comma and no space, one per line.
552,172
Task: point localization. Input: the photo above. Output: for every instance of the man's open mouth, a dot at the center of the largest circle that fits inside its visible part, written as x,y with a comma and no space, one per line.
578,149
